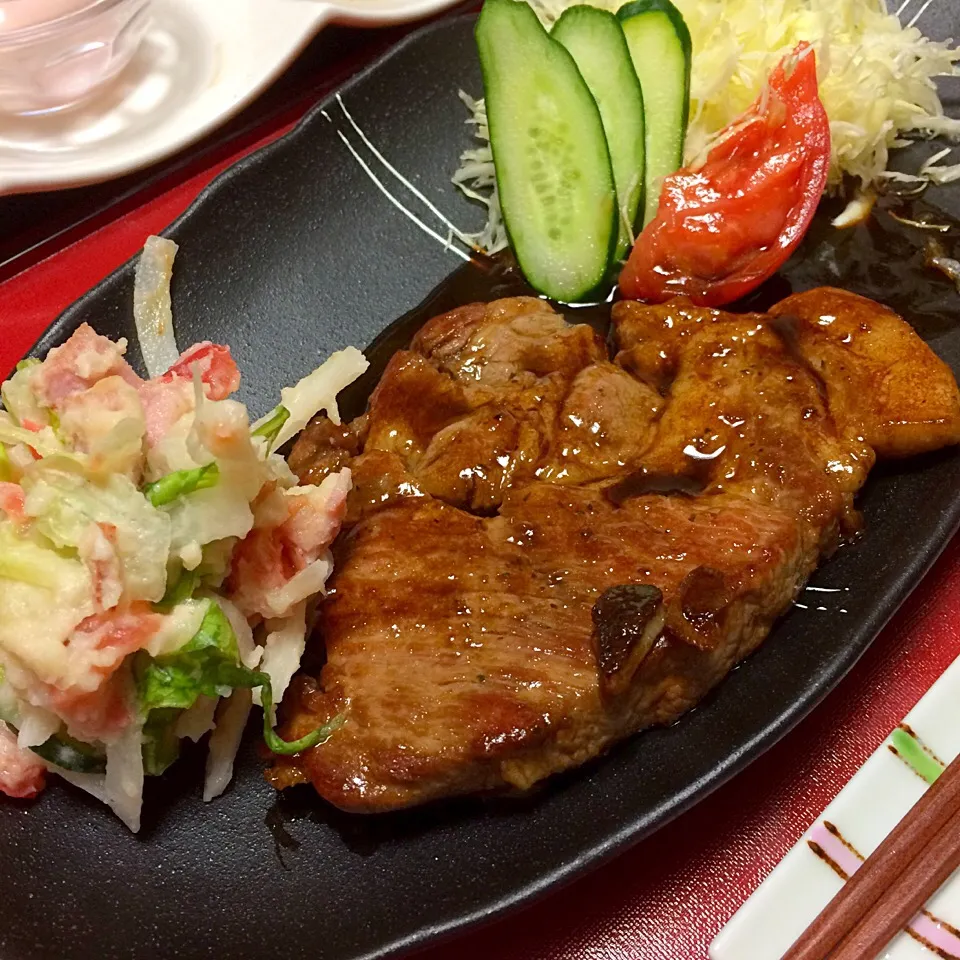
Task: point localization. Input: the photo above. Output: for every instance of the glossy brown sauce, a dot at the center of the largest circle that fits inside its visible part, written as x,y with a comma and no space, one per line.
883,258
625,609
482,279
642,482
786,328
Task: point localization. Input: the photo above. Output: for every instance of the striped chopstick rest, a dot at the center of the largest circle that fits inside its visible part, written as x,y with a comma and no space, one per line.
833,851
887,889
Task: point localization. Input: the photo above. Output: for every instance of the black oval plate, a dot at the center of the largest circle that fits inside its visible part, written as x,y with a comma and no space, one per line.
289,255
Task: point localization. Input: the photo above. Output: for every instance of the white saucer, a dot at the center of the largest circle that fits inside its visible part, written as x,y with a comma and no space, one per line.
201,61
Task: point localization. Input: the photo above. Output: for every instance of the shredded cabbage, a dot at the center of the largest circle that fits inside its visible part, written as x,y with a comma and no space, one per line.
876,75
876,83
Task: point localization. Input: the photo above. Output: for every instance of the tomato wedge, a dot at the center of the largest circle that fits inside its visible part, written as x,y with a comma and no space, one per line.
724,228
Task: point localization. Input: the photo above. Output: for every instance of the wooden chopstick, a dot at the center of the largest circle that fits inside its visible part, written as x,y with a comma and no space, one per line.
907,842
905,896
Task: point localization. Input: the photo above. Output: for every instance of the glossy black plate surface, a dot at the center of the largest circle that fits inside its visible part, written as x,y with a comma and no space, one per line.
292,254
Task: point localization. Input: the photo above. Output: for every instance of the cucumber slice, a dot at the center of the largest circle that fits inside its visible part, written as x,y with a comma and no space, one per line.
597,44
660,47
553,168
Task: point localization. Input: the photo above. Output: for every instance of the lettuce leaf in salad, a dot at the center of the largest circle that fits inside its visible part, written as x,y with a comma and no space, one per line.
215,514
182,586
43,441
180,483
18,396
8,699
208,664
161,745
63,504
6,467
217,557
26,561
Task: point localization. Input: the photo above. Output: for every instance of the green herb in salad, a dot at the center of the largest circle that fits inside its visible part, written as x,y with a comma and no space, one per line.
6,467
161,745
180,483
209,664
181,588
273,422
289,747
63,751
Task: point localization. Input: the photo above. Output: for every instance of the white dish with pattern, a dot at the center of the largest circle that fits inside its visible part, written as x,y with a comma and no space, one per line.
200,63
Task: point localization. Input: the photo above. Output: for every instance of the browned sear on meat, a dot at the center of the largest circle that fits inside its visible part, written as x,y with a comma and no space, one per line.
548,549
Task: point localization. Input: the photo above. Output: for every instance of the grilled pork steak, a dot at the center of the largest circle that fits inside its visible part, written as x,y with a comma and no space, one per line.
547,550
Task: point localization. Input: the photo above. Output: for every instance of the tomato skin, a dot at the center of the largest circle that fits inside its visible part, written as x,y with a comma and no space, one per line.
105,640
22,775
12,502
724,228
218,371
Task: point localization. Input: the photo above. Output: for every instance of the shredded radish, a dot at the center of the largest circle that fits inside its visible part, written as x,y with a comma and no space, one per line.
197,720
151,305
36,726
225,742
282,651
309,582
123,782
250,652
318,391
